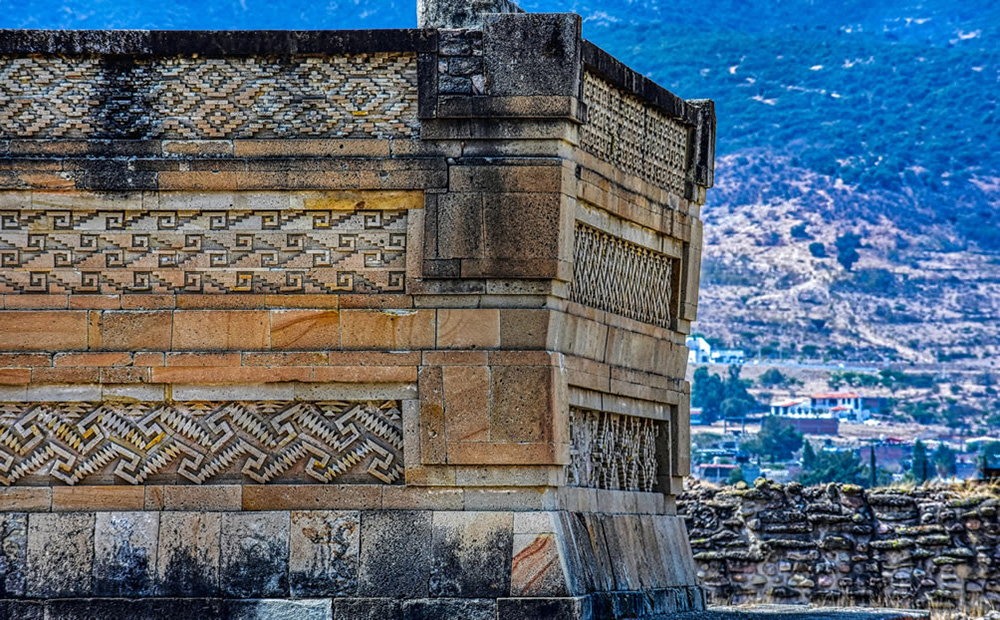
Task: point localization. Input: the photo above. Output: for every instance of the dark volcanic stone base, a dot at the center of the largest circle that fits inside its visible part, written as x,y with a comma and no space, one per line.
345,565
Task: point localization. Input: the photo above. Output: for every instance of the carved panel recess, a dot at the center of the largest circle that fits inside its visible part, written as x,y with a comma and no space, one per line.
361,95
621,129
202,251
612,274
198,442
612,451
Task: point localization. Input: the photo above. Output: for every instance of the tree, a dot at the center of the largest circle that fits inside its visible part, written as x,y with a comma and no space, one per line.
817,249
772,377
735,476
847,250
808,456
921,466
706,393
944,461
842,467
777,440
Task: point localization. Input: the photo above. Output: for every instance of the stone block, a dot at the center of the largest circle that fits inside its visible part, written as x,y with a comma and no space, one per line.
451,608
311,496
97,497
254,554
432,415
532,54
395,556
264,609
366,609
305,329
468,328
125,547
43,330
187,561
13,554
60,555
522,404
471,554
569,608
536,569
23,610
220,330
394,330
460,225
524,328
323,553
467,403
25,499
136,331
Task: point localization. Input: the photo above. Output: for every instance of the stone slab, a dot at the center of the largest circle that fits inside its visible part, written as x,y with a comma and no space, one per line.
254,554
323,553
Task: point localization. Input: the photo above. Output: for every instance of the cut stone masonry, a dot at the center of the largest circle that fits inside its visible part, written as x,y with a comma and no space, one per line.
392,319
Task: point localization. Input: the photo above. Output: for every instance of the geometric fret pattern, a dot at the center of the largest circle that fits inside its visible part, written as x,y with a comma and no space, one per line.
357,95
612,451
288,251
622,130
263,441
618,276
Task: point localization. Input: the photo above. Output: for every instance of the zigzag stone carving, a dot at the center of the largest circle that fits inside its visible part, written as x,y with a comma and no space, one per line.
618,276
360,95
201,441
310,251
612,451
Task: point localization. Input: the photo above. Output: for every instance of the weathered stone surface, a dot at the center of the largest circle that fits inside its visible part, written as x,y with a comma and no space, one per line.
471,554
13,553
279,610
536,569
366,609
254,554
395,556
441,608
125,547
60,555
323,553
187,562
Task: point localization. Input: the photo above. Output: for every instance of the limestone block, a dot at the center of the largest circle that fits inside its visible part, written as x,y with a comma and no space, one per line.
60,555
395,558
532,54
536,569
568,608
323,553
187,562
22,610
279,610
470,554
125,547
13,553
254,554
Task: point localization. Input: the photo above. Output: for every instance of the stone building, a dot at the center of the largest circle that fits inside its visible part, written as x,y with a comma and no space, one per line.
345,324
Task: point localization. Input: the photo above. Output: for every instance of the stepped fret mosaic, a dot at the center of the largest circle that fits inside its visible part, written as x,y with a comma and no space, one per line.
618,276
623,130
204,251
360,95
198,442
612,451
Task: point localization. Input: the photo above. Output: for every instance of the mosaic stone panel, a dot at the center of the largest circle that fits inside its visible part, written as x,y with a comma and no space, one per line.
621,129
612,451
362,95
618,276
202,251
199,442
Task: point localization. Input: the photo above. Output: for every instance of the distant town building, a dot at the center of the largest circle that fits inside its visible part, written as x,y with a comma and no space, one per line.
716,472
795,407
700,351
812,424
728,356
840,405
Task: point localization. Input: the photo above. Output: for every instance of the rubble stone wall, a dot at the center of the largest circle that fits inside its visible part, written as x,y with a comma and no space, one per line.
932,548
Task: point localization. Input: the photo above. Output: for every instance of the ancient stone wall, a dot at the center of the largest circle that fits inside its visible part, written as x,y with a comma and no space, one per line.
361,310
928,548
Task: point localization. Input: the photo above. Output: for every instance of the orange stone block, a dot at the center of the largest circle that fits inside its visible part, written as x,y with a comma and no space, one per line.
97,498
220,330
468,328
92,359
43,330
467,403
15,376
209,375
305,329
396,330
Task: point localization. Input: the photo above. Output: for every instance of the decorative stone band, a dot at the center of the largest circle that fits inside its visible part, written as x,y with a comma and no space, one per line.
313,251
613,451
612,274
265,441
351,95
625,131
